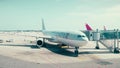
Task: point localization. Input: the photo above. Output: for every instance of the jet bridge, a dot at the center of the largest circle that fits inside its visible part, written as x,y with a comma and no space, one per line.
111,44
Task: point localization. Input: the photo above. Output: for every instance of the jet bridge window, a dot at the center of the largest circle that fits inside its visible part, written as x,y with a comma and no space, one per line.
80,36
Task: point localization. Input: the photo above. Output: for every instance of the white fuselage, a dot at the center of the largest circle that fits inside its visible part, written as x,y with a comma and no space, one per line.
72,38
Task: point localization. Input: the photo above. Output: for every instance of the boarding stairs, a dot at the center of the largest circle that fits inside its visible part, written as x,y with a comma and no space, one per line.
108,44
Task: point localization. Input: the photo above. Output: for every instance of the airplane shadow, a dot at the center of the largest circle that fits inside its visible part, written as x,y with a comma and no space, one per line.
66,52
95,52
56,49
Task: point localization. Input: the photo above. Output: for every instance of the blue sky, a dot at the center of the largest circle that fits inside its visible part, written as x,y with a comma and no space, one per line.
59,14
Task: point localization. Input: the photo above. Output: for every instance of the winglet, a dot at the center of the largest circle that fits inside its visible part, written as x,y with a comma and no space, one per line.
43,25
88,27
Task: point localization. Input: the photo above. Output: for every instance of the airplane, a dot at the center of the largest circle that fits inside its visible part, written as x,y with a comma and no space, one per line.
70,38
89,28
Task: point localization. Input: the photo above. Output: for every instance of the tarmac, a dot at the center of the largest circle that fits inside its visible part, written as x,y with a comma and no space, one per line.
21,53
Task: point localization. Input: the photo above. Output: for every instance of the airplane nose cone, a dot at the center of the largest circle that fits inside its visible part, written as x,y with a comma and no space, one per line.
86,42
85,39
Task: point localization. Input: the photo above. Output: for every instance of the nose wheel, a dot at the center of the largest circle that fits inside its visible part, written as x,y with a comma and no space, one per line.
76,51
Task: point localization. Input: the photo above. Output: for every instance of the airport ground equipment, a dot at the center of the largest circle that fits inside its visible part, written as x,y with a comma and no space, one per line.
116,41
99,38
96,37
113,48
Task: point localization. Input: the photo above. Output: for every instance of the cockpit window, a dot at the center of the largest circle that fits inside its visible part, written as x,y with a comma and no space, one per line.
80,36
83,36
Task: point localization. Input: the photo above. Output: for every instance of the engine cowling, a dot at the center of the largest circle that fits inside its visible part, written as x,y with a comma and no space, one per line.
39,42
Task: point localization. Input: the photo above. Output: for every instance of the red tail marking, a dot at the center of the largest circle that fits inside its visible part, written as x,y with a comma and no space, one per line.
88,27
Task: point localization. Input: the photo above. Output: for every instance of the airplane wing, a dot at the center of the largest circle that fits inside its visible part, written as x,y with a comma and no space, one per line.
27,38
45,37
32,35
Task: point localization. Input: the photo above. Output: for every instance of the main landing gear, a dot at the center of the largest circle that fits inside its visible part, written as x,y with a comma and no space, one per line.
97,45
76,51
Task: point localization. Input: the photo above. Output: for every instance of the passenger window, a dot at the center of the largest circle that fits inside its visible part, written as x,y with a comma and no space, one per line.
82,36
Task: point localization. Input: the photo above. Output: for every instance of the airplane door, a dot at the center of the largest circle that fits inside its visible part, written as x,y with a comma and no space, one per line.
90,35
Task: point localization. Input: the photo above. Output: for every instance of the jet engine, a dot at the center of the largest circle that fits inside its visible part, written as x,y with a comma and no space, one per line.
40,42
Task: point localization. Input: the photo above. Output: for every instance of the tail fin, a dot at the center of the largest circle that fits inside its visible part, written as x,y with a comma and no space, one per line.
88,27
43,25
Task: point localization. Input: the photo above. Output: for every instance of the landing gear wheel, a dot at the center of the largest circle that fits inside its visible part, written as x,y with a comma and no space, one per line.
97,47
76,53
116,50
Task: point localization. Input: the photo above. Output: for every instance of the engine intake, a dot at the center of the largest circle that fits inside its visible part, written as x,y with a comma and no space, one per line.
39,42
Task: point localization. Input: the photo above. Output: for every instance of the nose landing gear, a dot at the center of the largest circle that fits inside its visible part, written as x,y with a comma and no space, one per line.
76,52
